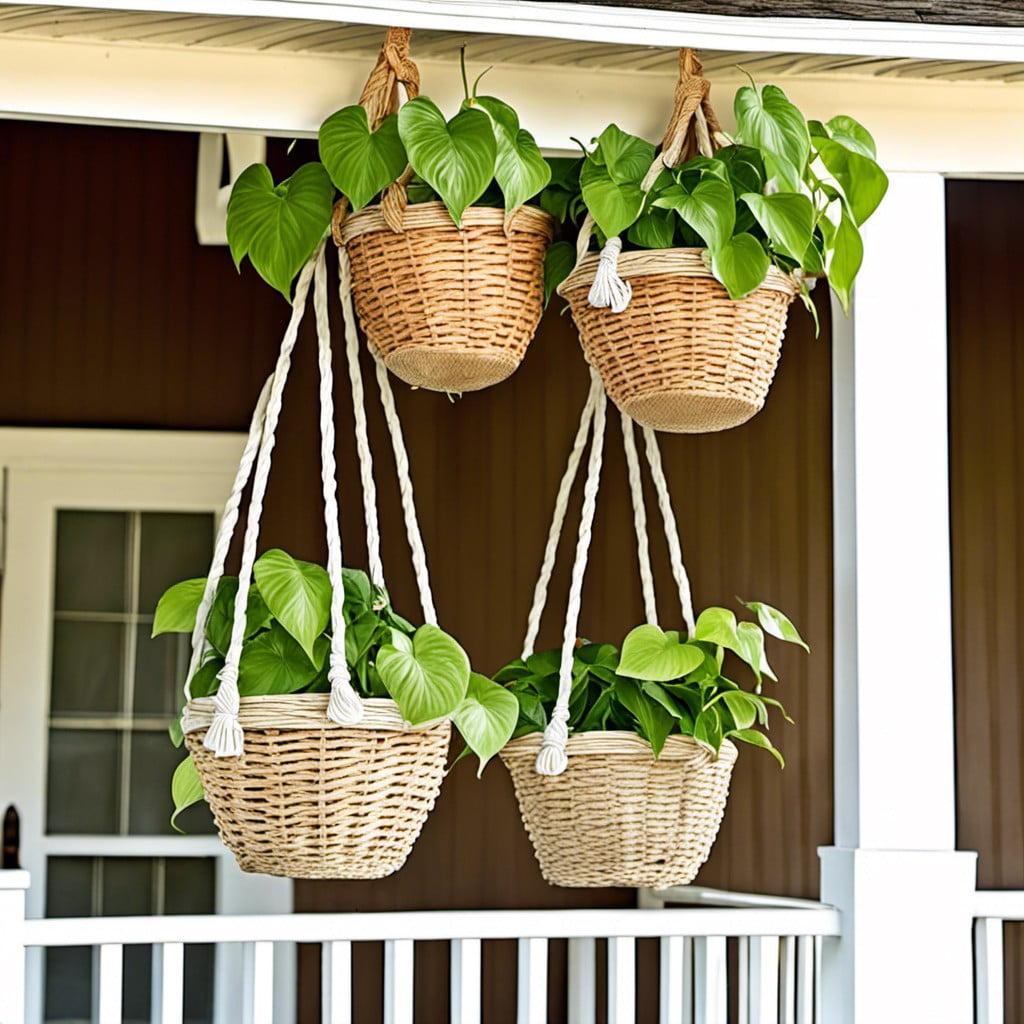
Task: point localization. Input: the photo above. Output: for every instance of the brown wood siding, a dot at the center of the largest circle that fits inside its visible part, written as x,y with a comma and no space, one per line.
986,367
112,315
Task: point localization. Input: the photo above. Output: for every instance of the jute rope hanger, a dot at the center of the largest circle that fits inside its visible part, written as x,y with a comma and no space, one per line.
225,736
552,758
691,131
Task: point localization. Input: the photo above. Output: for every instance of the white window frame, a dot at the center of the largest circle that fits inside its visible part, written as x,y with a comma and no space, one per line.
45,470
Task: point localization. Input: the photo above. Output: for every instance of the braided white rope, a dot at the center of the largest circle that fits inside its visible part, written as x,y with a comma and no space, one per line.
609,291
643,547
369,488
225,736
552,758
224,533
412,525
671,529
540,591
344,705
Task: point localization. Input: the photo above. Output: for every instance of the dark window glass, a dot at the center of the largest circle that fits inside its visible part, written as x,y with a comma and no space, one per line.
92,562
83,782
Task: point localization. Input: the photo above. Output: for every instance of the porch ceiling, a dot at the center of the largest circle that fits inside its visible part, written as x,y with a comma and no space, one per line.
293,36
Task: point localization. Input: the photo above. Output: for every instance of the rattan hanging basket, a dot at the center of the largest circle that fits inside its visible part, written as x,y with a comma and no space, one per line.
618,816
681,356
449,309
312,799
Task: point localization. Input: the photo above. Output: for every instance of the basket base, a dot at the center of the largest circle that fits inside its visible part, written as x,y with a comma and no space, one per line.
300,866
453,371
679,411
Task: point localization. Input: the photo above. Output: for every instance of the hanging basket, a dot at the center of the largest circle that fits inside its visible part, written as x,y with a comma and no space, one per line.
449,309
313,785
681,356
618,816
312,799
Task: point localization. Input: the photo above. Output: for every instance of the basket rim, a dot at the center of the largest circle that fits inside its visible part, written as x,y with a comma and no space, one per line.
603,742
432,215
301,711
682,262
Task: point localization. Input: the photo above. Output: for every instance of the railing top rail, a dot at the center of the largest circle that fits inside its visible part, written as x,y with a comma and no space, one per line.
430,925
1005,903
698,895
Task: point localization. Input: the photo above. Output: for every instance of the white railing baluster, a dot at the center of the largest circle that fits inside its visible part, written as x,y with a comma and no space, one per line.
532,1004
168,999
582,986
336,982
109,980
622,980
670,981
688,980
787,980
764,979
988,970
710,980
398,981
743,980
258,983
806,982
466,955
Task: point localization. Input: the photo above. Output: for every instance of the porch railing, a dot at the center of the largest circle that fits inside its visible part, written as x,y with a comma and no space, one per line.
776,959
992,909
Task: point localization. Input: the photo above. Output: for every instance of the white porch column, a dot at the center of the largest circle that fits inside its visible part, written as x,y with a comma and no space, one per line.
905,894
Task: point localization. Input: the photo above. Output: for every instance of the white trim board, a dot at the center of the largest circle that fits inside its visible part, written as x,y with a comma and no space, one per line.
967,129
628,25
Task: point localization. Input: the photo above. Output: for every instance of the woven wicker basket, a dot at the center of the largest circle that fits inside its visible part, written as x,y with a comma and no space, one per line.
449,309
311,799
682,357
617,816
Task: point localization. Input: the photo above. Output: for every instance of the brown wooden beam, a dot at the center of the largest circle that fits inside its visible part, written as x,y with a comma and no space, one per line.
1005,13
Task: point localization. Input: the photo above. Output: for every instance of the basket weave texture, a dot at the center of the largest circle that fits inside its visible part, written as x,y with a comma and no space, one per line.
617,816
682,357
311,799
450,309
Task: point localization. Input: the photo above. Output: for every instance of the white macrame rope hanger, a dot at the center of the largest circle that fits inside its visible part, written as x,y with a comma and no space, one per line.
553,759
225,736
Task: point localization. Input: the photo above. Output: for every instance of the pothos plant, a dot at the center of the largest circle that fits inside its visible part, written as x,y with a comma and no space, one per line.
662,683
479,156
287,639
783,192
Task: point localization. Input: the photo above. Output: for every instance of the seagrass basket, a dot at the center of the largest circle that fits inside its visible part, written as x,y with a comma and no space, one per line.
449,309
682,356
617,816
312,799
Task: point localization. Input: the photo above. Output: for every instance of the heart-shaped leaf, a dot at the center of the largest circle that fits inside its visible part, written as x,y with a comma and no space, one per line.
361,163
176,609
774,623
757,739
486,718
186,789
279,226
519,168
844,263
653,722
222,615
297,593
558,263
205,682
863,182
709,208
626,157
741,264
273,662
752,650
787,218
650,653
769,122
655,229
744,166
456,158
718,626
852,134
429,681
613,205
742,707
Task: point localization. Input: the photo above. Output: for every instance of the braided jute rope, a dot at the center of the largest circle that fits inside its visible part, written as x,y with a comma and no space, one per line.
674,351
449,308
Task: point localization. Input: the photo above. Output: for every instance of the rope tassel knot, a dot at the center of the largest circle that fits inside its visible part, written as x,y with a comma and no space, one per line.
552,758
608,289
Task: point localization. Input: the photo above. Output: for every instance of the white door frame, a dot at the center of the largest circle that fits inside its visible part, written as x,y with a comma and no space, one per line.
100,469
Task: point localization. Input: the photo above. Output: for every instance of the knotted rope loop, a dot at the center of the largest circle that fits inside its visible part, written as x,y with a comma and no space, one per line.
690,131
394,66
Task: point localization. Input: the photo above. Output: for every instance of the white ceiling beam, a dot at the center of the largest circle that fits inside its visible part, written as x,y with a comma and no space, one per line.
951,128
627,25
